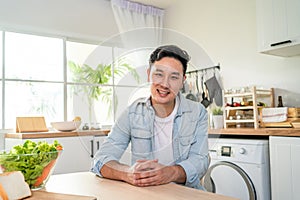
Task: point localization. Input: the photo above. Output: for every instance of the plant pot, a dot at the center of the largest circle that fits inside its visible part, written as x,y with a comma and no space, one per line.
218,121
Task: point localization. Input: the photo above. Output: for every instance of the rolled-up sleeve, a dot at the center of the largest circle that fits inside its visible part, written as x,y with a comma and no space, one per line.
113,146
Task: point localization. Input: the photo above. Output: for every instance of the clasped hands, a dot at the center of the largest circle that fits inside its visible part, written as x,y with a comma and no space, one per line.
150,172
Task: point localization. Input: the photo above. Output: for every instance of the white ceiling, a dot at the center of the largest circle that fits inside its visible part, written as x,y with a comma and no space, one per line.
157,3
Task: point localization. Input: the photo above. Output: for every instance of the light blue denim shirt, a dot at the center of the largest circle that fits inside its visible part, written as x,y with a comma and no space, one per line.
136,124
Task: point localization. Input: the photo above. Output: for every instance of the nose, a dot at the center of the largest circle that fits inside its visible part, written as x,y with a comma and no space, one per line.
165,82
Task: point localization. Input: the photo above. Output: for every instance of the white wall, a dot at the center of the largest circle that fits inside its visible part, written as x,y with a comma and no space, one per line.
226,30
85,19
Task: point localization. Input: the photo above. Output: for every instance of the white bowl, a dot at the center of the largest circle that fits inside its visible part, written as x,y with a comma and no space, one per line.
66,126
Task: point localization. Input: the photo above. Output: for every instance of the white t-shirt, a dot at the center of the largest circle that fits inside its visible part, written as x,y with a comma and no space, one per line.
163,129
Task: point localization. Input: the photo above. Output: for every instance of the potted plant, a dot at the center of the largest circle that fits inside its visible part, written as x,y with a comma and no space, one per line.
100,75
217,118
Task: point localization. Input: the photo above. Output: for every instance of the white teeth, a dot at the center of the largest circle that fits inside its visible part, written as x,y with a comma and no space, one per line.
163,92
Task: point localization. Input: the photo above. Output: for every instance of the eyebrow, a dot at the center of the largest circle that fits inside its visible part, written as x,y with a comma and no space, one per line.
174,73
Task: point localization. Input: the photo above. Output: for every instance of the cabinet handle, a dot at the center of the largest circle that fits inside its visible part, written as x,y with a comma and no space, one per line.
98,145
280,43
92,148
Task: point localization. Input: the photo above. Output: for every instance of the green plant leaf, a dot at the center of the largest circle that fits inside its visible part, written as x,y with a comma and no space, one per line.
99,76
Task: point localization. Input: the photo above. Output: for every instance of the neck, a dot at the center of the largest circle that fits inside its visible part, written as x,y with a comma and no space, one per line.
163,110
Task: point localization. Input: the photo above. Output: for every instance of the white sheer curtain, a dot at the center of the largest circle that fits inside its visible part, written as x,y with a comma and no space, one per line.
147,20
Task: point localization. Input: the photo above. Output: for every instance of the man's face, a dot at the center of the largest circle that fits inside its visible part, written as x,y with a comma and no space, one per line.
166,77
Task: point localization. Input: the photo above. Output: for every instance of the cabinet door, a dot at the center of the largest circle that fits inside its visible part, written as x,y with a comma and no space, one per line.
293,19
295,152
98,140
278,27
285,164
265,24
76,156
126,157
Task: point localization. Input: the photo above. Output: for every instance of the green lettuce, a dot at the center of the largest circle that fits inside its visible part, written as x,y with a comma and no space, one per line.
30,158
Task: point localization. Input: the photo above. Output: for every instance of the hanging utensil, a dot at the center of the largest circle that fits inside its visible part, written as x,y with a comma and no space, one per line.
197,86
190,95
205,102
215,90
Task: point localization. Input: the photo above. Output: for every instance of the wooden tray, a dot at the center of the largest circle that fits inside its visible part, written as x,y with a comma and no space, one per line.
43,195
285,124
293,112
276,125
296,123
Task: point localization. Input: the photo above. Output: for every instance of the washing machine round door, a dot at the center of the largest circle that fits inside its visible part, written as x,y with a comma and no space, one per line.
229,179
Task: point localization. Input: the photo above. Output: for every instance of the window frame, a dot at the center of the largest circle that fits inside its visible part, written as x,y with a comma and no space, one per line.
65,81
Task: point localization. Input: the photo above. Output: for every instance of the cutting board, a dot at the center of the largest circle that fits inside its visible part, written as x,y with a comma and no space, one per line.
43,195
30,124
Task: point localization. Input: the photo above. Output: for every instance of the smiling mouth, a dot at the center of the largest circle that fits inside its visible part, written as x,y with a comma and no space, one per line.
163,92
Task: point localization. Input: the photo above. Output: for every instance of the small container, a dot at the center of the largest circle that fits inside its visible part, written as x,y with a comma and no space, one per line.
85,127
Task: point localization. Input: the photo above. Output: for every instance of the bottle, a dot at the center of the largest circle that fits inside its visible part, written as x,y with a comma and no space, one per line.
280,104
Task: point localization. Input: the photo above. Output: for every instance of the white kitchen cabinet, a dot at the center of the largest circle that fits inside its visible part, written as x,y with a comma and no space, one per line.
126,157
76,156
278,27
285,165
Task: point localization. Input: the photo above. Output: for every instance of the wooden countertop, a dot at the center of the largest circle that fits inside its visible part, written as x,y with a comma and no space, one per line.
54,134
88,184
256,132
227,131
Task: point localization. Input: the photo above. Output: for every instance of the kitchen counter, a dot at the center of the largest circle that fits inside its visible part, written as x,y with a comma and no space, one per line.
54,134
256,132
88,184
227,131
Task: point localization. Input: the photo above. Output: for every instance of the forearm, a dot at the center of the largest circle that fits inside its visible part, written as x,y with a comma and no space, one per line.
179,175
115,170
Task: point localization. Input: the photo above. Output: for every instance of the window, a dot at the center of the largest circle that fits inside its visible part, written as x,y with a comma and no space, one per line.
88,101
1,70
60,79
28,57
33,78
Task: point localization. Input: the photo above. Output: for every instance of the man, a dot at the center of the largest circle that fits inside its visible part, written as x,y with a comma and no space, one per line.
168,133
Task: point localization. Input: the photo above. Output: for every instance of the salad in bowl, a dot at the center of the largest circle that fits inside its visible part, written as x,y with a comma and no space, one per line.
36,161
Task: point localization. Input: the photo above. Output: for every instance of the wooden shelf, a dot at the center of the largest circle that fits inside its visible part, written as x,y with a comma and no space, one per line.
253,95
241,108
239,120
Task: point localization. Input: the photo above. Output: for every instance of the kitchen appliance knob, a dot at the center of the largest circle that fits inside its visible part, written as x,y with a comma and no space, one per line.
242,151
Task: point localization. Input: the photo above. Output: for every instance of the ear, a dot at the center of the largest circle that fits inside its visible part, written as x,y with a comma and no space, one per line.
183,80
148,74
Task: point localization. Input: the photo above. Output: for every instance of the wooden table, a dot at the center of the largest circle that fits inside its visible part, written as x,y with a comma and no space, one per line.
88,184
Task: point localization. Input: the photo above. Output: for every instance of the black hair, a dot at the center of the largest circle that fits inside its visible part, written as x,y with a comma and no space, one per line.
170,51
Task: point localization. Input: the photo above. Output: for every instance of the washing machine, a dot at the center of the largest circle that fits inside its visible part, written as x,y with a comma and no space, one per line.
239,168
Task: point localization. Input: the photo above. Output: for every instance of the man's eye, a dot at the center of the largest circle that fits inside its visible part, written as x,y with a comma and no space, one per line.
158,74
174,77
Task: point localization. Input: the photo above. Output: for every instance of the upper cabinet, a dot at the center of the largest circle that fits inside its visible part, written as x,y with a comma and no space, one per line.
278,26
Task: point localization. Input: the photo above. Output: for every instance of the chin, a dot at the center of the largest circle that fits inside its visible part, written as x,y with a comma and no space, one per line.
164,100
